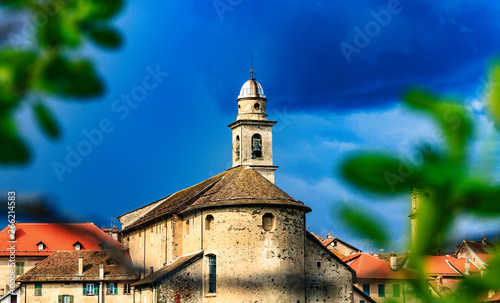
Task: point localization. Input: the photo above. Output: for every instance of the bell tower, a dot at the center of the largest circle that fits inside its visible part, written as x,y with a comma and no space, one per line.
252,132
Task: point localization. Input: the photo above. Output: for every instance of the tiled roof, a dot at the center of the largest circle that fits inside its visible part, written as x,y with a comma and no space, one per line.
494,298
478,247
169,270
236,186
327,242
316,236
447,266
370,267
63,266
55,236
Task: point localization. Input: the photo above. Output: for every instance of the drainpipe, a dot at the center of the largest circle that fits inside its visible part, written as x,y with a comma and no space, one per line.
201,231
144,253
304,258
101,277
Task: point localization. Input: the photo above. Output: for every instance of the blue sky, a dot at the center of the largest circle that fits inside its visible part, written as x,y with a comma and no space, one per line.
333,72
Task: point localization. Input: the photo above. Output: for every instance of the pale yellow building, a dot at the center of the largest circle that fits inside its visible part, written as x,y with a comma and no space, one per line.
80,276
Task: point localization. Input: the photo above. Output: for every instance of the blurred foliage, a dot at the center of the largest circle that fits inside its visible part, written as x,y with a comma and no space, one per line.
458,188
50,66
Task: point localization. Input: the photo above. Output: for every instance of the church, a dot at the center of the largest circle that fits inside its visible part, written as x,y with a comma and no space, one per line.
235,237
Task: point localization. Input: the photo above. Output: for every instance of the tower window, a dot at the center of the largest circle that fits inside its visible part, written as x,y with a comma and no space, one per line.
212,274
268,221
256,146
236,147
209,222
256,106
187,227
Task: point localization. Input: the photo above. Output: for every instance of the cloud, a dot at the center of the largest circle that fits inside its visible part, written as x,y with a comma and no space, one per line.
301,66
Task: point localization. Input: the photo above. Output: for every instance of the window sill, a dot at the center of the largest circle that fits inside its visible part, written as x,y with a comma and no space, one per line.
210,295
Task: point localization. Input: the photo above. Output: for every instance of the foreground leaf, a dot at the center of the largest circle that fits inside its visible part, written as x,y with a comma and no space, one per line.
380,173
70,78
365,224
46,121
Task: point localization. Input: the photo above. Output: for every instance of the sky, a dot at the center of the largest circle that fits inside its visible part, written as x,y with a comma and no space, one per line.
333,72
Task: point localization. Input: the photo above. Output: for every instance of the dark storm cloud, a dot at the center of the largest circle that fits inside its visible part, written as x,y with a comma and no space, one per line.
344,55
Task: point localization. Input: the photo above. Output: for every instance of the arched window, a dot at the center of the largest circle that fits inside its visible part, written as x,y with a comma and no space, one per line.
187,227
212,274
209,222
256,146
268,221
236,147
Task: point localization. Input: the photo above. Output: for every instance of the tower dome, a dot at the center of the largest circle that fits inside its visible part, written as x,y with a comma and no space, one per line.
251,89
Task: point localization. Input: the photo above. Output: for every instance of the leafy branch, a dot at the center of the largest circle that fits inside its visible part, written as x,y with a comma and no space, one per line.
448,172
50,65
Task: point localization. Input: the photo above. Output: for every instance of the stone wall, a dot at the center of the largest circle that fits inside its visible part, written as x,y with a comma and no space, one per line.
255,265
328,279
185,286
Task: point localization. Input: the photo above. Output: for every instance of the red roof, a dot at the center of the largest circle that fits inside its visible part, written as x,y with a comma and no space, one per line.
370,267
55,237
447,266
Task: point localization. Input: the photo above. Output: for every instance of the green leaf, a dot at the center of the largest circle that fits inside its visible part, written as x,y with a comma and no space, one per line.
106,37
61,29
365,224
480,198
493,100
46,121
381,173
12,148
70,78
452,118
15,75
99,9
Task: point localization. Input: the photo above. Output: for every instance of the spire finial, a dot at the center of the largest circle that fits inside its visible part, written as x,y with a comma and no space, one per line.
251,60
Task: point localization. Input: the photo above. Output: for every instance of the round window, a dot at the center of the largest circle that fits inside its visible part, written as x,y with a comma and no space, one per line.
256,106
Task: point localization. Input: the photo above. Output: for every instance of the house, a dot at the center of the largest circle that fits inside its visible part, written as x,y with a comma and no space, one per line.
445,272
381,280
339,247
478,252
235,237
80,276
33,242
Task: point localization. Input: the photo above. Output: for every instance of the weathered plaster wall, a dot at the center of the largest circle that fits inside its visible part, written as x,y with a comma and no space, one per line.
51,291
245,132
147,246
329,280
406,293
29,263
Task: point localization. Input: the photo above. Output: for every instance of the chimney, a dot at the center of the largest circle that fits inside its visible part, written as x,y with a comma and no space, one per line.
101,271
394,261
484,241
329,236
467,267
80,265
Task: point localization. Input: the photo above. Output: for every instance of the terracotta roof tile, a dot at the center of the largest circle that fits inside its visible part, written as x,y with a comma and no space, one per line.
370,267
55,236
447,266
239,185
63,266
